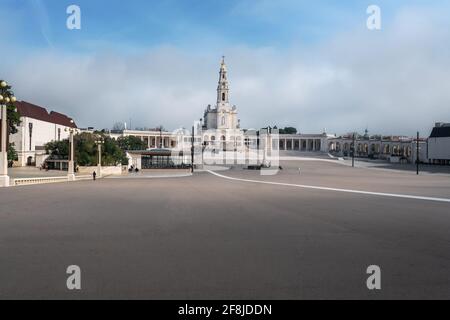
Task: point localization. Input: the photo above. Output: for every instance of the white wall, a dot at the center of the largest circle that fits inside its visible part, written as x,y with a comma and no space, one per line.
106,170
42,133
439,148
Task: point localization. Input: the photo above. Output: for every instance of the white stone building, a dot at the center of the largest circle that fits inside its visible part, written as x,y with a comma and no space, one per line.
221,125
391,148
304,142
37,128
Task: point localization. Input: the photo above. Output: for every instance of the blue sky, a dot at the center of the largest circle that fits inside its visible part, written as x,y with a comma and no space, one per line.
291,61
193,24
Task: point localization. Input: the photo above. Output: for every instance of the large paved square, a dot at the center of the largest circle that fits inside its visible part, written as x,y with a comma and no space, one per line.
206,236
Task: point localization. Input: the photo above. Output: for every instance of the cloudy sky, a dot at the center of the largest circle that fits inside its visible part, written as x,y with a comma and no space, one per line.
309,64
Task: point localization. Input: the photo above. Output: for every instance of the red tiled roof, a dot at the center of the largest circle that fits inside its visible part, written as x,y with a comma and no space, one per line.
30,110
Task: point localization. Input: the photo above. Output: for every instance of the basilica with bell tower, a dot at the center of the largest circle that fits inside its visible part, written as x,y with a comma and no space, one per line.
222,116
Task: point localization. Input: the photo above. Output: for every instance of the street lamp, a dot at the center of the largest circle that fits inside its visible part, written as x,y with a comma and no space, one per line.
6,97
71,173
417,153
192,150
353,149
99,143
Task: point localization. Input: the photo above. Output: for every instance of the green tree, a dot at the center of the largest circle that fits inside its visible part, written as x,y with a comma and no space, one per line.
287,130
112,154
290,130
58,149
12,154
12,115
86,150
131,143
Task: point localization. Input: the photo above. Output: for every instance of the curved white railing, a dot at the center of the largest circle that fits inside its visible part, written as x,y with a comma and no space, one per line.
38,180
42,180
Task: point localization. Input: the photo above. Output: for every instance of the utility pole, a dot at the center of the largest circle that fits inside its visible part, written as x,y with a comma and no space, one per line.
192,150
353,150
99,142
417,153
71,169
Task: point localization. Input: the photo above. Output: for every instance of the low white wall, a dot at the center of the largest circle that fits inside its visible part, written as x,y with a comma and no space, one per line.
105,170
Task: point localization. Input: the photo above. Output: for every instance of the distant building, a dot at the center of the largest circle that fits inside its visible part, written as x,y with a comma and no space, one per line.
37,128
439,144
314,142
391,148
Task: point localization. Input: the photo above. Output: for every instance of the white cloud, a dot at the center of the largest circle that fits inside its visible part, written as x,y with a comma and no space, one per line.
393,81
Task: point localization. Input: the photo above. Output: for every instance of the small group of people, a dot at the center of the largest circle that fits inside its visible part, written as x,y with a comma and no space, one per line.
133,169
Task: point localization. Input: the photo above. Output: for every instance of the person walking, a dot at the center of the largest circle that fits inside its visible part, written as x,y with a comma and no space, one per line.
94,175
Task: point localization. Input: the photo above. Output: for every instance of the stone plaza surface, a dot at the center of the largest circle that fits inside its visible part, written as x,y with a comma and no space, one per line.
207,237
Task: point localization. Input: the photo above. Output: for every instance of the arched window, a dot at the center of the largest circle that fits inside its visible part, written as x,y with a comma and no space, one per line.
223,120
223,96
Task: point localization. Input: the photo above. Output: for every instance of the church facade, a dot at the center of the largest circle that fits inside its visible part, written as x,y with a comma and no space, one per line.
221,126
223,116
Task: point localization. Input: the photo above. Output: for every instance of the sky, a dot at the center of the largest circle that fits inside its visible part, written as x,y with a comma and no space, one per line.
313,65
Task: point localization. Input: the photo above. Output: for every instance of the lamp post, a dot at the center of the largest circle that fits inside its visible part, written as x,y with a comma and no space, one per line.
71,172
5,99
202,143
192,150
99,143
353,150
417,153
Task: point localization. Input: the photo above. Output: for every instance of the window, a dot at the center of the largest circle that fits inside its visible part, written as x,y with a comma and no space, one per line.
223,96
223,120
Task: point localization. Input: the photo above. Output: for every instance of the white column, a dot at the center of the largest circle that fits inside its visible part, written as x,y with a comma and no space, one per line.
4,178
99,166
71,174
